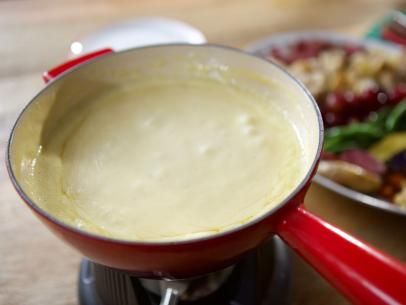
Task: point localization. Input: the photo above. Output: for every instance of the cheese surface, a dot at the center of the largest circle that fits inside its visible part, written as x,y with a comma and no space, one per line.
168,160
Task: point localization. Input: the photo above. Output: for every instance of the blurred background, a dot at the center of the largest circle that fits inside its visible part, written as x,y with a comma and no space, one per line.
35,35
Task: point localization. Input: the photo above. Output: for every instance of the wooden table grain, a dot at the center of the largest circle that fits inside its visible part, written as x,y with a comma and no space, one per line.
36,267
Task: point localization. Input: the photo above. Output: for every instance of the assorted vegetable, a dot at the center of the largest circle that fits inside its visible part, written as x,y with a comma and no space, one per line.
362,97
364,134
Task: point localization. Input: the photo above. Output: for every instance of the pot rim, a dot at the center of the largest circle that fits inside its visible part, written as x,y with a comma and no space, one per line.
221,234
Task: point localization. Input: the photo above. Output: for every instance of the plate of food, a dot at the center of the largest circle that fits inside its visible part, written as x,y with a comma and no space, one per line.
360,87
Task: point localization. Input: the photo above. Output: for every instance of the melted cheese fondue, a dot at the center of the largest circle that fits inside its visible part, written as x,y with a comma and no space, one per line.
168,160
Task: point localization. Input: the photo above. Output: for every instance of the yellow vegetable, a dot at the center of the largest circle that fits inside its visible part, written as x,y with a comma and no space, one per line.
389,146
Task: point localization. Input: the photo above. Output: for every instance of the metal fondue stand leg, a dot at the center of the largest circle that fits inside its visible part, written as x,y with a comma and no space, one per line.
169,290
171,296
187,290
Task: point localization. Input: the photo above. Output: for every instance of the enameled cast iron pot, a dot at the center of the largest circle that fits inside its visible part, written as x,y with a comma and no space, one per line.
362,273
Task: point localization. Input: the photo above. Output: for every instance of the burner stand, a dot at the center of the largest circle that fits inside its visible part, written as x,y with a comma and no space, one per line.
260,278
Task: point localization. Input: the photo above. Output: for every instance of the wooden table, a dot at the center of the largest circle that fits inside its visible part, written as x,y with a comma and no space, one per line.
37,268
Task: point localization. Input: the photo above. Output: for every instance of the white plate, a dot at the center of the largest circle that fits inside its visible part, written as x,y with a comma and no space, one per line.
264,46
136,33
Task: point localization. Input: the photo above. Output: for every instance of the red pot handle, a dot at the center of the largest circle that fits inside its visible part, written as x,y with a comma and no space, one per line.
56,71
363,274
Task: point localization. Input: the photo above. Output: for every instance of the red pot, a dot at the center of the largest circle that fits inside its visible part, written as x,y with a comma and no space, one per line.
360,272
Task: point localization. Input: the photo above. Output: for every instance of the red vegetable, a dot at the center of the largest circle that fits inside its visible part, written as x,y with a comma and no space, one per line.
336,102
397,94
309,48
325,155
364,160
340,108
333,119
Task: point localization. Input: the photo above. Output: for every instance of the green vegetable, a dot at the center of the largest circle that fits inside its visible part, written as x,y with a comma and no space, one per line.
396,120
389,146
362,135
355,135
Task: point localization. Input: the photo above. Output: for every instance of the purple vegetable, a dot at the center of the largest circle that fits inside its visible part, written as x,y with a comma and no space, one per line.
398,162
363,159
